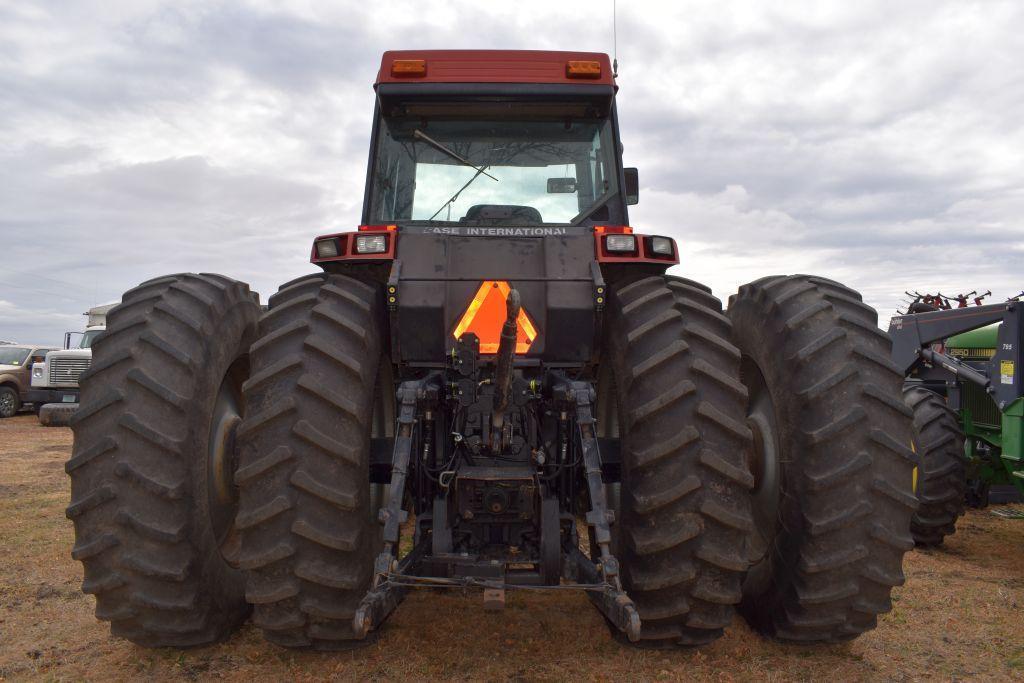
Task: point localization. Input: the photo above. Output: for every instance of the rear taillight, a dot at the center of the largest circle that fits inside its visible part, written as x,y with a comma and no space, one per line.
662,246
327,248
618,243
371,243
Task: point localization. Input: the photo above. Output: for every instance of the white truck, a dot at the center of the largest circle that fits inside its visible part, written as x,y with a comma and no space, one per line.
56,379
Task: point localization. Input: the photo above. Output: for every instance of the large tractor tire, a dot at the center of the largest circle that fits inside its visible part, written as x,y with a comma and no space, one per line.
832,463
941,475
309,534
683,507
151,493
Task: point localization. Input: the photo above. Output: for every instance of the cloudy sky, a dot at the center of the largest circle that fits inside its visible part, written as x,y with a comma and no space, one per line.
878,143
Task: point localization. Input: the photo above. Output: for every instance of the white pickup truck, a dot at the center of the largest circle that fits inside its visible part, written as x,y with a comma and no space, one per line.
56,379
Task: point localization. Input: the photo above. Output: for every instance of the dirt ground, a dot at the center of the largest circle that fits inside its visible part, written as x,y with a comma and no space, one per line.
960,616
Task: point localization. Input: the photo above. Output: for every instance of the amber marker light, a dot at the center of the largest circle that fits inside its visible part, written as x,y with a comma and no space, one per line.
582,68
409,68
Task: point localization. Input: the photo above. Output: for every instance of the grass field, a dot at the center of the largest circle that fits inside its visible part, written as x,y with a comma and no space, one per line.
959,616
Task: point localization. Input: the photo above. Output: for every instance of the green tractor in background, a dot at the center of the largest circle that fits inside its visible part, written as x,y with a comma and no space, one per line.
989,432
965,386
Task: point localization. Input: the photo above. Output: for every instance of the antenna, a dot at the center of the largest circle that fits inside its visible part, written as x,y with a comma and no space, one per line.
615,44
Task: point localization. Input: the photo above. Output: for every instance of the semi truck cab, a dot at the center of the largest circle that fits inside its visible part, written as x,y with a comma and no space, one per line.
56,379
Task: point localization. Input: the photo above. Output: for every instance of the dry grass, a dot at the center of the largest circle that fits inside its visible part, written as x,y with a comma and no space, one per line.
959,616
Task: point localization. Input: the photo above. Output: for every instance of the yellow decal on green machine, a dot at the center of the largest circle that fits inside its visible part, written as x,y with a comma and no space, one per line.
1006,372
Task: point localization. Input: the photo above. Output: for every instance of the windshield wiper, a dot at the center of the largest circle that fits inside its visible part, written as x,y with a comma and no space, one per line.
456,195
465,162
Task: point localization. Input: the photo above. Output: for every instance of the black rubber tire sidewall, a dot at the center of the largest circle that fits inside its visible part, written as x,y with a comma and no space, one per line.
15,402
159,577
846,463
683,551
320,347
941,473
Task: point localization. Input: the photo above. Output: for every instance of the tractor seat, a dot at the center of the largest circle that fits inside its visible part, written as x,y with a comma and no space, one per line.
502,213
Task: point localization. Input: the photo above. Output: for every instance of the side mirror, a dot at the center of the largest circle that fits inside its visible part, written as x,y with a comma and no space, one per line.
632,188
561,185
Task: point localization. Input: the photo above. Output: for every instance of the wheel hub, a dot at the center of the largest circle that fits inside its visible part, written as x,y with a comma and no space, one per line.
221,464
766,468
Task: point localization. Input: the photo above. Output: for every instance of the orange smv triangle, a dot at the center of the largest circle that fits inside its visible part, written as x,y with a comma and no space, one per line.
486,314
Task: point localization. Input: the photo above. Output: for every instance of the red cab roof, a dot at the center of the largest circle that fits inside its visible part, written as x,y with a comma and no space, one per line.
492,66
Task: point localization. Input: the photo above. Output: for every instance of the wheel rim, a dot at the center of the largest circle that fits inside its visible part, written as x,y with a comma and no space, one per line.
222,460
766,468
6,404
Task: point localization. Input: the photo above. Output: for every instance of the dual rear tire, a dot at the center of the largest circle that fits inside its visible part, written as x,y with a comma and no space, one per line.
770,438
178,539
766,459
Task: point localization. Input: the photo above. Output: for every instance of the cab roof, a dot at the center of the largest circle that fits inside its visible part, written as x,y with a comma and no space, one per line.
492,66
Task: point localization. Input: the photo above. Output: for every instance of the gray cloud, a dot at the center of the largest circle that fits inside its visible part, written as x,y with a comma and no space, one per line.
876,143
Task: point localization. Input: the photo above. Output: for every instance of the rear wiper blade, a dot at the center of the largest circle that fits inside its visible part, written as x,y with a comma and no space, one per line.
437,145
456,195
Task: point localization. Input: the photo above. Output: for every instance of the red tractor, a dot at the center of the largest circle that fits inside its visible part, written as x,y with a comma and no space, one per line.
493,360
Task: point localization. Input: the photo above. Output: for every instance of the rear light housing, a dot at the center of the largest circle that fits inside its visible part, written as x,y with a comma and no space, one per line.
619,244
370,243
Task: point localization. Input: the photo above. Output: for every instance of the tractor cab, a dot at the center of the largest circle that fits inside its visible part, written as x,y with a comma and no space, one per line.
449,153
